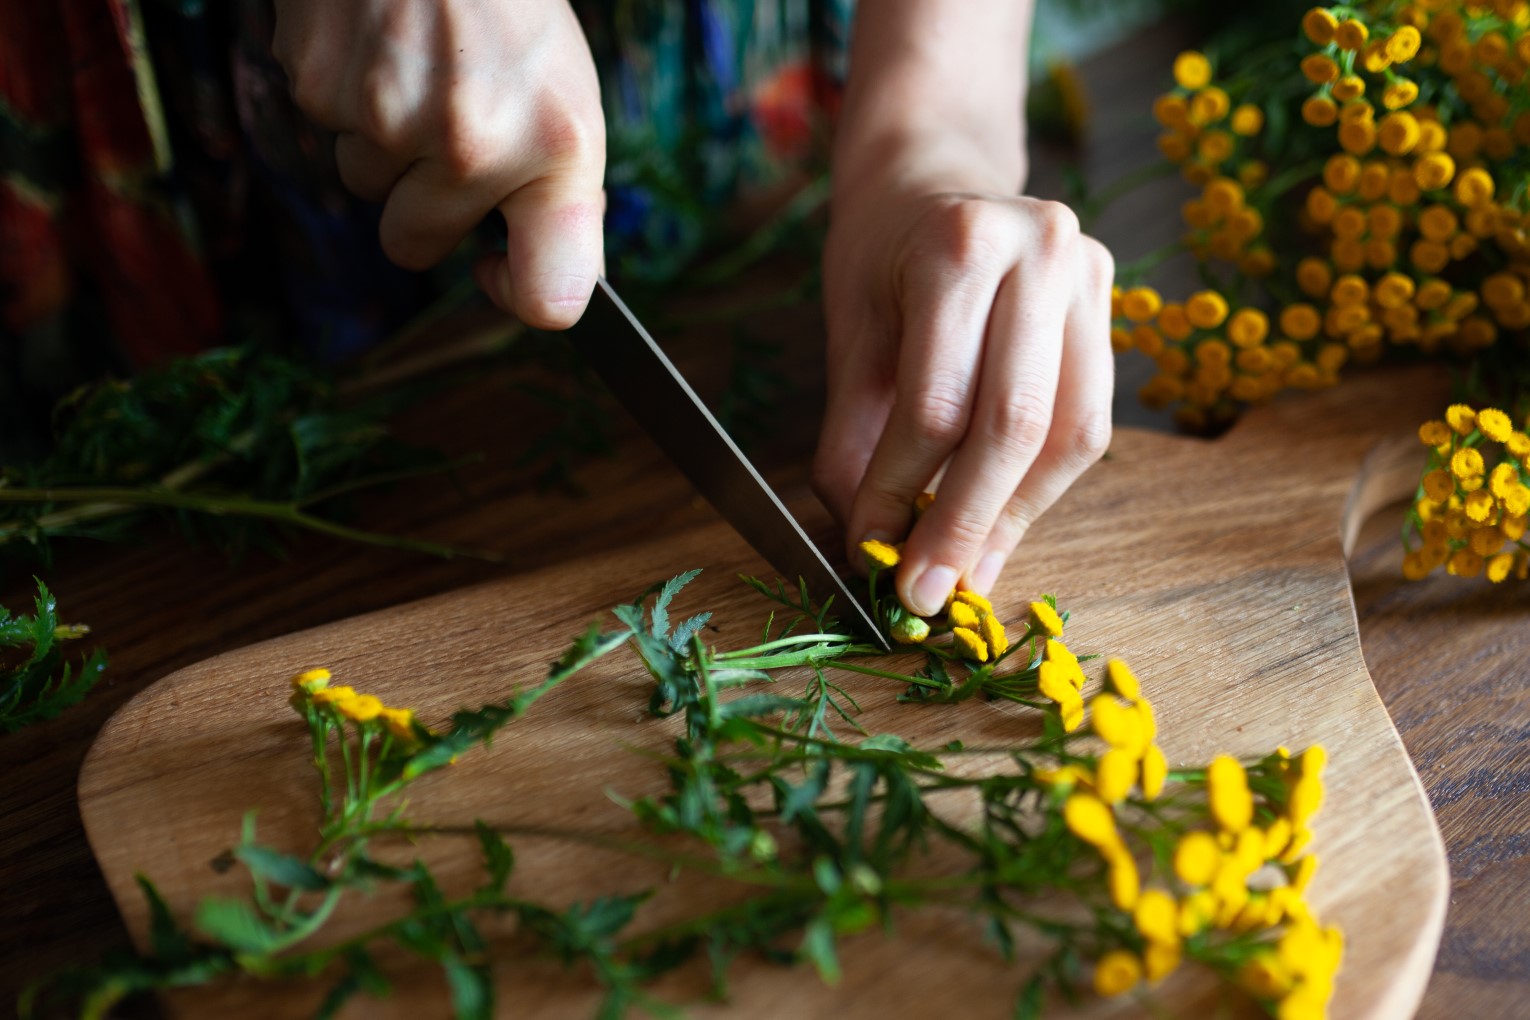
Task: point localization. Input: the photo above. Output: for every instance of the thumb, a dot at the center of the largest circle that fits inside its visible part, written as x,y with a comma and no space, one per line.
554,249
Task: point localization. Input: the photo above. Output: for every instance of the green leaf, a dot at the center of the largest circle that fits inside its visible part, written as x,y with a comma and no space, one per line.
166,938
671,588
471,987
1029,1002
755,705
235,924
498,858
681,638
818,949
282,869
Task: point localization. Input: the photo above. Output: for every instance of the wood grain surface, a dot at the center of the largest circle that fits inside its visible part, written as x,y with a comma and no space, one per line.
1217,569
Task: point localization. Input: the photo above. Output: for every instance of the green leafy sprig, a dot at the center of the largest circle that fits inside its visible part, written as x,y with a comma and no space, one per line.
42,684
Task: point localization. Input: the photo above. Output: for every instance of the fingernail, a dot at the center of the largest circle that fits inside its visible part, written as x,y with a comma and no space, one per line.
930,589
987,571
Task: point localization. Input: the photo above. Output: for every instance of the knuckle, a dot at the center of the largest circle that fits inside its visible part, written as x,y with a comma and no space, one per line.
1088,438
568,139
1021,423
962,234
965,533
939,415
1057,225
1099,264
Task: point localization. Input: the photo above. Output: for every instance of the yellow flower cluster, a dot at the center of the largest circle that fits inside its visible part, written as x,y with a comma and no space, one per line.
1473,500
1248,874
311,687
1416,213
977,634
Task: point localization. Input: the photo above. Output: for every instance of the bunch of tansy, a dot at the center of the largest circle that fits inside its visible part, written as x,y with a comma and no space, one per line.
1247,872
1406,173
1469,515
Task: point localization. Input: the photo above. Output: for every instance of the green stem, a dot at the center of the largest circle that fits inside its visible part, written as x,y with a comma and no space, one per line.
219,506
868,671
1095,204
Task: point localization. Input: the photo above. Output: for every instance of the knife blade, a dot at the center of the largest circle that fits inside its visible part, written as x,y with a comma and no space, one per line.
626,358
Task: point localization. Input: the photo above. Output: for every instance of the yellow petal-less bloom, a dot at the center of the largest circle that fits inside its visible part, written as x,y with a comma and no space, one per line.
973,599
961,614
1494,424
879,554
1071,712
1116,775
1248,327
1159,960
1192,70
400,722
1402,45
1479,507
1350,34
1156,916
1474,187
1319,69
361,708
1400,94
311,679
1116,973
969,645
1123,880
993,635
1434,170
1350,86
1155,772
1247,120
1439,485
1045,620
330,695
1206,309
1115,723
1466,463
1498,568
1232,805
1053,680
1319,24
1122,680
1141,304
1462,418
1320,111
1090,819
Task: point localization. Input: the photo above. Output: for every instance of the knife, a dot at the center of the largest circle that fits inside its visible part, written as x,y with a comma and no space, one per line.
623,354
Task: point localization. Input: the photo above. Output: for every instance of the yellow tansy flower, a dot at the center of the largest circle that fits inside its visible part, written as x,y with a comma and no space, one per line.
1156,916
1319,24
1192,70
1232,805
1350,34
1206,309
400,722
1122,680
1116,775
1434,433
1155,771
1090,819
969,645
973,599
1403,44
1466,462
1115,723
962,615
1494,424
1117,972
1054,681
1160,959
1439,486
330,695
880,555
993,634
311,679
1499,566
1122,879
1461,418
361,708
1045,620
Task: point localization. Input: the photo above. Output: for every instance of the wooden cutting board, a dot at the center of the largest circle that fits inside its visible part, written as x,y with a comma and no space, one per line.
1215,568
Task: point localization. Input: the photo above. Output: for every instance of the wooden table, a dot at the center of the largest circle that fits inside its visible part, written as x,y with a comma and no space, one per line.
1449,657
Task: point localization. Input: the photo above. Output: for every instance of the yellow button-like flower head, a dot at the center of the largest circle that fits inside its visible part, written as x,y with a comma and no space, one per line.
312,680
1117,973
1090,819
330,695
969,645
1319,24
400,722
1232,805
1192,70
880,555
1122,680
993,634
361,708
1116,775
1045,620
1494,424
963,615
1155,771
1156,916
909,629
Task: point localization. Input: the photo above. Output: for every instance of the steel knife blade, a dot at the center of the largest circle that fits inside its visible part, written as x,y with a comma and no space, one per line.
626,358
